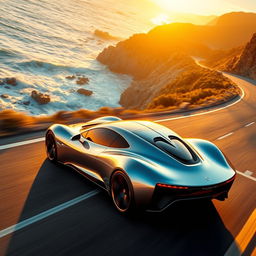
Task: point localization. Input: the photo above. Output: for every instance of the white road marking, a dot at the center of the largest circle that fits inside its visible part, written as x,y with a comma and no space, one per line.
47,213
224,136
21,143
243,174
248,173
249,124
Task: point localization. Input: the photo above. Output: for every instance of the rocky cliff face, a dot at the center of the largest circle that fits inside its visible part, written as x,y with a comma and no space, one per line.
160,63
246,64
141,92
240,60
171,82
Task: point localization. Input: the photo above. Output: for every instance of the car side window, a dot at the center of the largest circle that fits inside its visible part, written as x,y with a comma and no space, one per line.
105,137
101,136
119,142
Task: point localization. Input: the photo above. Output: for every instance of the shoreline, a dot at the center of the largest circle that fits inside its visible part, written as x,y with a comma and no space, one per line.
68,117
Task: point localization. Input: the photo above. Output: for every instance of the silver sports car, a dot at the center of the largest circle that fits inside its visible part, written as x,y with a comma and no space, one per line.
140,163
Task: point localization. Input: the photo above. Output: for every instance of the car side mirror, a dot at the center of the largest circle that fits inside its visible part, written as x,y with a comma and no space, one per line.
84,142
76,137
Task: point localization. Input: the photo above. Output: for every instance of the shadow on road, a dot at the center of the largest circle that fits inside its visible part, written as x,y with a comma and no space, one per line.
94,227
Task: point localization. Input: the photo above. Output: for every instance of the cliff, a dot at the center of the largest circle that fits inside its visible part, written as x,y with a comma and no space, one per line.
179,80
246,64
230,31
142,91
240,60
139,55
163,72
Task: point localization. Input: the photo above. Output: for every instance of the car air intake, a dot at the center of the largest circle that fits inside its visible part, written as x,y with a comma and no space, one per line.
177,149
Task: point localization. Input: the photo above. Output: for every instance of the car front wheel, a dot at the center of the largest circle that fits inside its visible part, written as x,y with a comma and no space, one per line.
51,147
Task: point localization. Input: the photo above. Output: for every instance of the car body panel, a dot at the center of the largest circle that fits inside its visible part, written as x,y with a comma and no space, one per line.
145,164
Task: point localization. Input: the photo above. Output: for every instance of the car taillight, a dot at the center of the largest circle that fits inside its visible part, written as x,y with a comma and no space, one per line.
171,186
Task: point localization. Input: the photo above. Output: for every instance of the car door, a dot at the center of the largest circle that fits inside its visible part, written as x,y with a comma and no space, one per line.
89,160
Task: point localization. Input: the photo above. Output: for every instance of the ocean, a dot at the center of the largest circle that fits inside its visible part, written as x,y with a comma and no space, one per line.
43,42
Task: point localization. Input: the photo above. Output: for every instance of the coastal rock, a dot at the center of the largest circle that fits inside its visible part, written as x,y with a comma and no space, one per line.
82,80
71,77
85,92
2,82
104,35
147,50
40,98
164,74
4,96
142,91
11,80
26,103
177,82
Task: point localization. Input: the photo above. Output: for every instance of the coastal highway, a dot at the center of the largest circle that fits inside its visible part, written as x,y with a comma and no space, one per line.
48,209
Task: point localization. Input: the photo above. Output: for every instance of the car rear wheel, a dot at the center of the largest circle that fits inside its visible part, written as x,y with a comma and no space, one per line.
51,147
121,192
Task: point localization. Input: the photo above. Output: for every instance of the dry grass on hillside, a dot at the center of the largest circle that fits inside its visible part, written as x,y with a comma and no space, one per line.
196,87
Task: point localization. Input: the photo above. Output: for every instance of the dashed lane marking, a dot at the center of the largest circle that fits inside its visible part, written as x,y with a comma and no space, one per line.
47,213
247,125
248,173
224,136
243,174
21,143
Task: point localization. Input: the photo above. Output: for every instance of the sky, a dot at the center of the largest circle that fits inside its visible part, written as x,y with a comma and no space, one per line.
206,7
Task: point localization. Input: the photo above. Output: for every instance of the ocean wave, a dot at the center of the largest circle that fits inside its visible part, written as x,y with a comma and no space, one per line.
36,64
8,53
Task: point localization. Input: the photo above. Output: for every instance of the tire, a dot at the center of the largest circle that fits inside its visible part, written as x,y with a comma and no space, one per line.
51,147
122,192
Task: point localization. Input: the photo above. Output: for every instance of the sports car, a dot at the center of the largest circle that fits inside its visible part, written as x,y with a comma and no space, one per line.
141,164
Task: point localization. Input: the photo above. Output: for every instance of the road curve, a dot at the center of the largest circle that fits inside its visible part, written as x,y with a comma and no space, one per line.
30,186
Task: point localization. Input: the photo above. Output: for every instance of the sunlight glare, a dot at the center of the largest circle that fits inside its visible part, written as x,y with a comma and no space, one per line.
202,7
161,19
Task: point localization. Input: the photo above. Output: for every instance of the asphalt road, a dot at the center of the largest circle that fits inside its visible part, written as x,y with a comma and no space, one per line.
31,186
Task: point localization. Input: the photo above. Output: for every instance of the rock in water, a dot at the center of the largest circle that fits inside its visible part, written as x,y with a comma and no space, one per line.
11,80
71,77
104,35
40,98
26,103
85,92
4,96
82,80
2,82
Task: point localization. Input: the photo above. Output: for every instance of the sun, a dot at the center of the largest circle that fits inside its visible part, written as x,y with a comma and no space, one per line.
161,19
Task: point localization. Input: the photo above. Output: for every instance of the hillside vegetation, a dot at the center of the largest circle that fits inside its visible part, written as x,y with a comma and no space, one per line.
165,75
179,80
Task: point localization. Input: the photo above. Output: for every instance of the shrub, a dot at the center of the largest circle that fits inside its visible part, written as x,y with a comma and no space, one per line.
11,120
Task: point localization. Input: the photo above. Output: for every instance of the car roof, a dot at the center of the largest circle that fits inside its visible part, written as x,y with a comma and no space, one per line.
145,129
